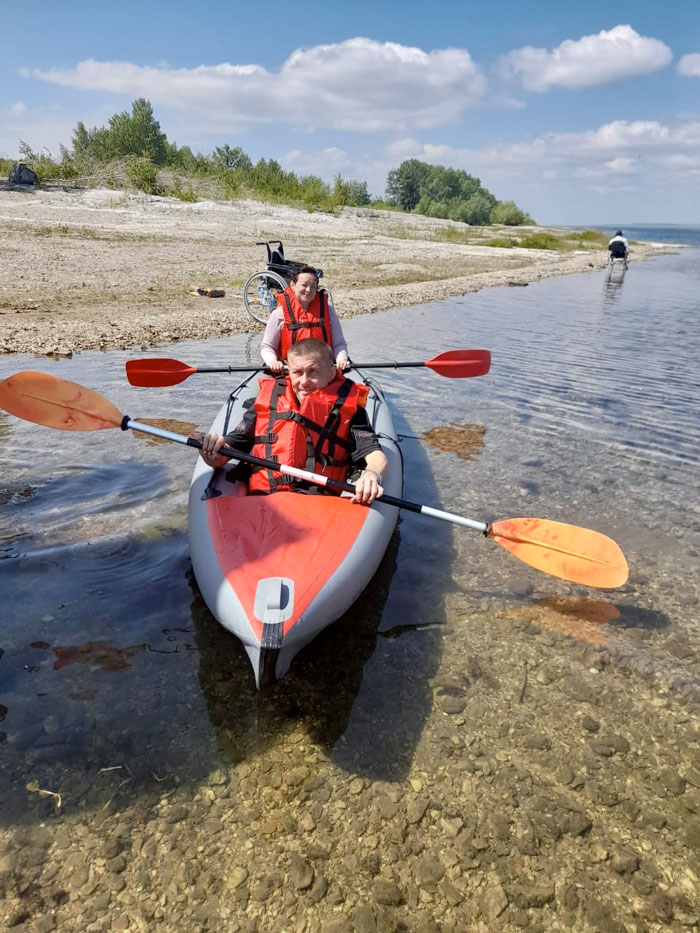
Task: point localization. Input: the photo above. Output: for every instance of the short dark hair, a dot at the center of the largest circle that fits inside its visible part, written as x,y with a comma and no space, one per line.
306,269
312,346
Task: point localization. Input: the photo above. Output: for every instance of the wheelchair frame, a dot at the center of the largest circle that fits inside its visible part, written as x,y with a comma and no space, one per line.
261,290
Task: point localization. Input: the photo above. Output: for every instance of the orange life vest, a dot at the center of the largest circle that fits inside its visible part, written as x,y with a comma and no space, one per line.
313,434
300,324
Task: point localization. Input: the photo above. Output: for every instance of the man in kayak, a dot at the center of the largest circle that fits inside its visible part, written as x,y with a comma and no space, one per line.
618,246
312,418
303,312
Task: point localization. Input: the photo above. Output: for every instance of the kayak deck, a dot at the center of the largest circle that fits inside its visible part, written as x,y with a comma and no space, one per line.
258,537
277,569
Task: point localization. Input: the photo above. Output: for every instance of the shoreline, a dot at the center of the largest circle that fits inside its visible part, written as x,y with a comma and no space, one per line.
102,269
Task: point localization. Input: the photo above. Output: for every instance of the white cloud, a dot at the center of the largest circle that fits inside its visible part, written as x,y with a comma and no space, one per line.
358,85
326,163
43,128
646,153
609,56
620,166
689,65
18,108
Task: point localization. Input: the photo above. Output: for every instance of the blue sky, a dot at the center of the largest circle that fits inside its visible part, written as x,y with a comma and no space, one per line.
581,113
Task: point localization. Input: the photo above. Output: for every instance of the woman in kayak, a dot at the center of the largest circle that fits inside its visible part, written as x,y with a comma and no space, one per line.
312,418
303,312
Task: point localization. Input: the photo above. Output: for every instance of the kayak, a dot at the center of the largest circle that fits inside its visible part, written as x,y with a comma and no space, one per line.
277,569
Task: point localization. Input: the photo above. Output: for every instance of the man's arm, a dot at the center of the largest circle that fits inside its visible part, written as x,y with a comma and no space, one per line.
241,438
365,446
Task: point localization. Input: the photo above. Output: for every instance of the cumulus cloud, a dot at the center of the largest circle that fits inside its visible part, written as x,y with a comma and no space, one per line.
43,128
628,148
609,56
326,163
359,85
689,65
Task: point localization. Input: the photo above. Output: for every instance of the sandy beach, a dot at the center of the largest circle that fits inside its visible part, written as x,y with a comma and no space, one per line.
103,269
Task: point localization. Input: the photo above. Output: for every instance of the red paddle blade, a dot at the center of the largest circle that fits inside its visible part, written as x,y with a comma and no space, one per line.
567,551
157,372
460,364
57,403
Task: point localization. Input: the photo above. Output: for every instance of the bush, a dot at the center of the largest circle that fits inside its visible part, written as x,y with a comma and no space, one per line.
509,214
592,237
504,242
142,174
177,191
544,241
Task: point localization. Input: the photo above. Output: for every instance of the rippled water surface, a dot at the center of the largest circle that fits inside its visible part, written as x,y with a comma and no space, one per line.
589,415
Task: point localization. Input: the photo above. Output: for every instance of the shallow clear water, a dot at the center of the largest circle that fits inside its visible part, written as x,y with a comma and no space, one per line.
590,417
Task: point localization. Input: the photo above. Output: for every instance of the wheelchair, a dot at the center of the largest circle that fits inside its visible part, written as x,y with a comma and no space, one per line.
617,254
262,288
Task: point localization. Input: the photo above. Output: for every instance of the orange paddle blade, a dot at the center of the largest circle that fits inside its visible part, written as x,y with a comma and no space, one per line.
57,403
459,364
566,551
157,372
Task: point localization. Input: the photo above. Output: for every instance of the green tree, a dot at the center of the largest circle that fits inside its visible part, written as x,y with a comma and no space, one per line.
357,193
403,184
137,134
437,191
226,157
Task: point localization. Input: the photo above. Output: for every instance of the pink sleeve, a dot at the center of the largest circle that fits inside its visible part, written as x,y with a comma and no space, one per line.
272,337
340,347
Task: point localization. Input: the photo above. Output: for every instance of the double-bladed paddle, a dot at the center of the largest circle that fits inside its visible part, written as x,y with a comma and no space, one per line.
576,554
155,372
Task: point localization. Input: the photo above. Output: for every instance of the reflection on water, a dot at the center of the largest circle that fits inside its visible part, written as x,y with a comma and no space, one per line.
612,287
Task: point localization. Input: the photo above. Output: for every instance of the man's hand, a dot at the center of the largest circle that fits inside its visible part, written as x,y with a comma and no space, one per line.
211,445
367,488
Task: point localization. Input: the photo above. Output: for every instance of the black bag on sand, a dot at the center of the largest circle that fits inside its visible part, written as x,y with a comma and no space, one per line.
21,174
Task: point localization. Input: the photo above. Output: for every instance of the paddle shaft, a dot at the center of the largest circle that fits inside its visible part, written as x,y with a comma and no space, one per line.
253,369
316,478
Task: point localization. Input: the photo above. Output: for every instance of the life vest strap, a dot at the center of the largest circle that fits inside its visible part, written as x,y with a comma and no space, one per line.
291,324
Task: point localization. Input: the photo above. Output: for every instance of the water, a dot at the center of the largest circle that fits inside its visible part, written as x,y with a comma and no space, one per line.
685,234
114,676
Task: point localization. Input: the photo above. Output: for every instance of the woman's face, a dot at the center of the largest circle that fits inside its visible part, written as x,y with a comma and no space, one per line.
305,289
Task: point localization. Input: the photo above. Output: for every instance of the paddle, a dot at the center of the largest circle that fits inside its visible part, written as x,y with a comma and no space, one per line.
576,554
455,364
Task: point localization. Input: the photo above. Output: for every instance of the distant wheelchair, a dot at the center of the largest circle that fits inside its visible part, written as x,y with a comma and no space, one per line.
617,253
262,288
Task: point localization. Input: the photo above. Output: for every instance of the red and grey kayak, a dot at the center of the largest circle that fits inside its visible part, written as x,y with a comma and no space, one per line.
275,570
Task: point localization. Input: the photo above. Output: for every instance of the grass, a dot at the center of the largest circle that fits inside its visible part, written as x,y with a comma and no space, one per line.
502,242
83,233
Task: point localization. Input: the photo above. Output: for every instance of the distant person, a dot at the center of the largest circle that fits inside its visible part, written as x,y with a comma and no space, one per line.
304,311
313,418
618,246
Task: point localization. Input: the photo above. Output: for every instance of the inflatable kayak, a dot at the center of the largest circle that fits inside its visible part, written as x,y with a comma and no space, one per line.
275,570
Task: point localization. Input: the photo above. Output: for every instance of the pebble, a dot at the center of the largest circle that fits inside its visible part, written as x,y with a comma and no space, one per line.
301,873
387,892
415,809
494,900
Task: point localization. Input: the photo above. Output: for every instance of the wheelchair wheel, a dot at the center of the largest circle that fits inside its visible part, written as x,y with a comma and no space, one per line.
260,294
